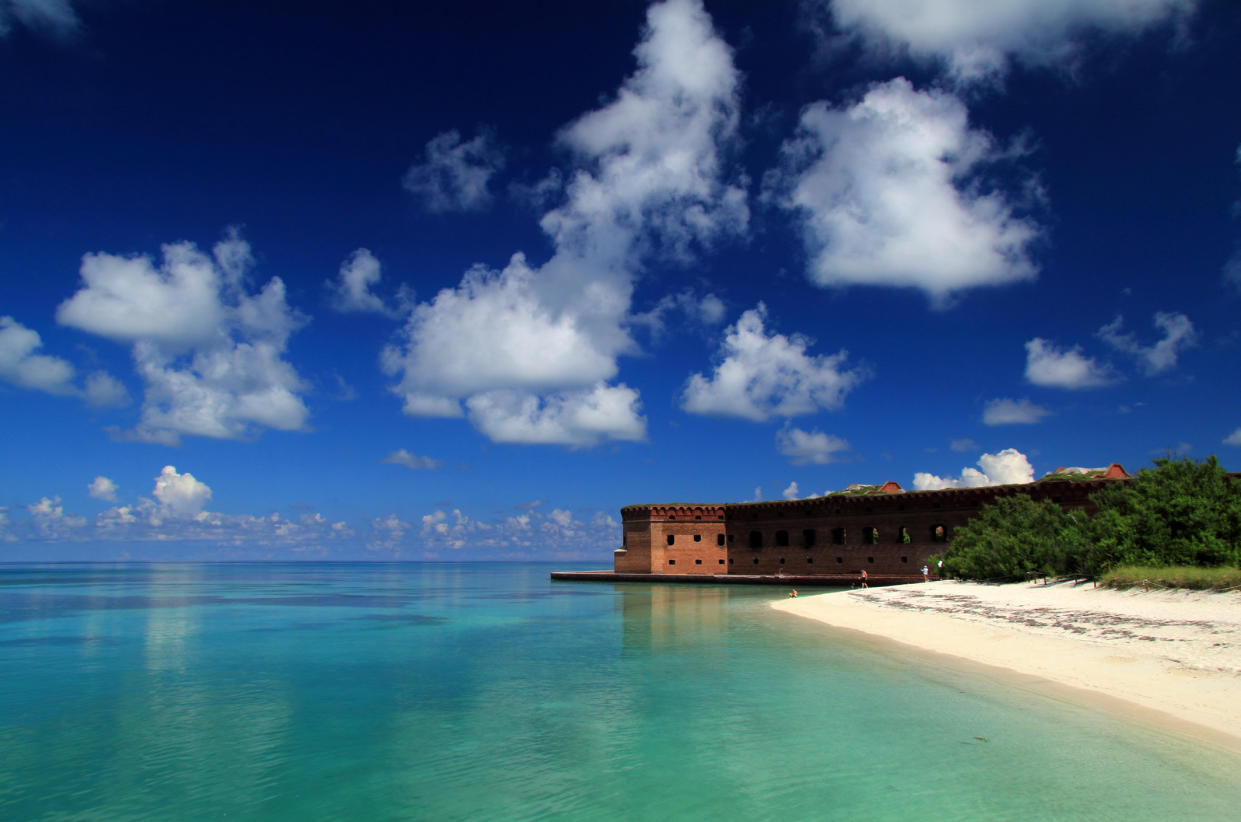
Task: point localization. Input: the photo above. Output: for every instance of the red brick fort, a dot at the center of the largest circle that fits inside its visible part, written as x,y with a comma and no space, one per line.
886,531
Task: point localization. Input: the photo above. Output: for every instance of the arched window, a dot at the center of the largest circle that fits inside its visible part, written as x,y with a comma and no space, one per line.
782,539
807,537
870,535
756,539
838,536
939,533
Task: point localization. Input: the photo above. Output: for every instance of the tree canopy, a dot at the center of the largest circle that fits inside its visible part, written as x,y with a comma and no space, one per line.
1181,512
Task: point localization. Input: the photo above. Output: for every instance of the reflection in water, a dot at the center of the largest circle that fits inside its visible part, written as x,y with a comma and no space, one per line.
666,616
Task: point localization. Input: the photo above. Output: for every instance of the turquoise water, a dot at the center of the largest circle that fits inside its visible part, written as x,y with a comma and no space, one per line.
472,691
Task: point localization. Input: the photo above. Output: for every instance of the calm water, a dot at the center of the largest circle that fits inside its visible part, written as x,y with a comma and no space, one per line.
487,692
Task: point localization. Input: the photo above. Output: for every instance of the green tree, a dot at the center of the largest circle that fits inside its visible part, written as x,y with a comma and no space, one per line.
1181,512
1015,537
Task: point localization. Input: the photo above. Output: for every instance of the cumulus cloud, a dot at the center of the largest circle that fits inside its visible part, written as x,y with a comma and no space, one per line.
1005,411
700,311
646,182
792,491
180,494
809,447
176,514
575,418
102,390
50,522
210,353
1234,438
51,16
351,290
975,40
412,461
890,193
1178,334
1232,270
1009,466
529,533
455,175
1048,365
21,365
102,488
763,375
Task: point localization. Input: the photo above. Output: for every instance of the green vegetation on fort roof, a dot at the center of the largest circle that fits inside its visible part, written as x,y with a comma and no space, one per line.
1179,514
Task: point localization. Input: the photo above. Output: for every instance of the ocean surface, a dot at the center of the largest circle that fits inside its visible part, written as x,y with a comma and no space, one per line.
487,692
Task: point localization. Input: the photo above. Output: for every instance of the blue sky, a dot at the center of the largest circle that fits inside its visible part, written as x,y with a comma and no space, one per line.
457,283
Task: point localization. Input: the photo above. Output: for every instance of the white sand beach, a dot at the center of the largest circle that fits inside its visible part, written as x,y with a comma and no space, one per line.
1177,653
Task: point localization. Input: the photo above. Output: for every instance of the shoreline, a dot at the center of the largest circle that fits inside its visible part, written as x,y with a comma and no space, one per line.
1169,658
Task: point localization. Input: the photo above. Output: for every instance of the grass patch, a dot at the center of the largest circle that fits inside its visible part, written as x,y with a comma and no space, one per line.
1172,576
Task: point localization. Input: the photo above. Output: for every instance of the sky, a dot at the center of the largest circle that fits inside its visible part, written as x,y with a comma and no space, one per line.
457,281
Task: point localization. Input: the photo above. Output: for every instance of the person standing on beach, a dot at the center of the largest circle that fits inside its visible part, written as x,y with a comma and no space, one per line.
864,585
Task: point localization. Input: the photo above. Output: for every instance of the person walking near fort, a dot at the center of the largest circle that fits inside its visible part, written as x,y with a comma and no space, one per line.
864,585
926,574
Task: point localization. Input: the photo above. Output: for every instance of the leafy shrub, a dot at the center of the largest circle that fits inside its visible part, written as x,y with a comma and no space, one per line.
1013,538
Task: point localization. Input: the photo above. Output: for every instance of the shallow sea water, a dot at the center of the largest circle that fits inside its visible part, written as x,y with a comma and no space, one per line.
486,691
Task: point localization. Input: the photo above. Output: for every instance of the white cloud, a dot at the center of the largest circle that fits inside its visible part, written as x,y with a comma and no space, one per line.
575,418
1064,368
763,375
102,390
1005,411
791,492
1234,438
1232,270
53,16
809,447
127,298
647,182
1178,334
50,522
706,310
515,339
180,494
412,461
209,352
890,194
102,488
1009,466
975,39
389,533
351,291
531,533
968,444
20,365
455,175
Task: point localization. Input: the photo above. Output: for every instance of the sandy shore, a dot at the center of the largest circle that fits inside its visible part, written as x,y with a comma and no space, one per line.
1173,652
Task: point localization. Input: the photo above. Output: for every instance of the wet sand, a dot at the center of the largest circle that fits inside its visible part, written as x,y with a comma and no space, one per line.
1171,654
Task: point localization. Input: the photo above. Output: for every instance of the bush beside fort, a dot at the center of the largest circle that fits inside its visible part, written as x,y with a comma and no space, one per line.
1178,524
